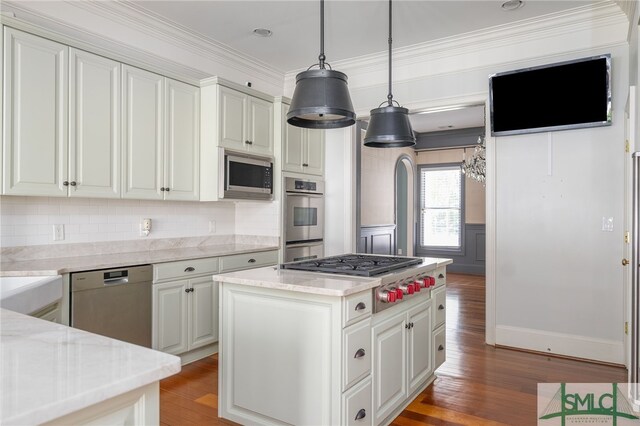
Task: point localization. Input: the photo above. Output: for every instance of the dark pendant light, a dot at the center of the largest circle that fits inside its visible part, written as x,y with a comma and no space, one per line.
389,126
321,98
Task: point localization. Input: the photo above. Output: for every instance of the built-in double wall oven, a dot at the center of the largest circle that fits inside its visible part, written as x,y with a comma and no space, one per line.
303,219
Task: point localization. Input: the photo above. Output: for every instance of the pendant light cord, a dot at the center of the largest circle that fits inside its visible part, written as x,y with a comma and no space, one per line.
321,58
390,95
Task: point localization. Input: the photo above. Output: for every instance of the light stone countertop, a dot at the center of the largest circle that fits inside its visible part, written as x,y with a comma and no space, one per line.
64,265
311,282
49,370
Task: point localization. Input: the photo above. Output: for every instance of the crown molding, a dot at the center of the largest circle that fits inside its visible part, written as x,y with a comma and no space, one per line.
629,8
173,33
598,25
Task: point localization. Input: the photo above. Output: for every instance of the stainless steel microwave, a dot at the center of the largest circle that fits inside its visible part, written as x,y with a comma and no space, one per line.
245,176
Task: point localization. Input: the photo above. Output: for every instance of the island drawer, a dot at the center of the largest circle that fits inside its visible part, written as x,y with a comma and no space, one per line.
356,405
357,353
441,276
248,260
356,307
439,297
439,346
184,269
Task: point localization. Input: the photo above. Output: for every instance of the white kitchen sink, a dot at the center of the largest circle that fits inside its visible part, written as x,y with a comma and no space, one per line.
29,294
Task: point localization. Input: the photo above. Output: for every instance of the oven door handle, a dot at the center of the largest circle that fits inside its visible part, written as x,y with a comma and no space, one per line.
305,244
304,194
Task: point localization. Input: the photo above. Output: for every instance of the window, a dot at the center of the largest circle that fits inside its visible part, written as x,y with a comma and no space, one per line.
441,213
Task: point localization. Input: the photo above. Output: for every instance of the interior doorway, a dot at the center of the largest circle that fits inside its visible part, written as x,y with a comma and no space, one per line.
404,205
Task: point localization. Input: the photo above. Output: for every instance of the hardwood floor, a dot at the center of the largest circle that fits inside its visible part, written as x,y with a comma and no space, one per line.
477,385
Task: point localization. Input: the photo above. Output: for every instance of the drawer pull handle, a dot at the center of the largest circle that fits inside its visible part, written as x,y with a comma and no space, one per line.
359,353
251,260
441,348
441,307
361,306
441,276
189,269
361,414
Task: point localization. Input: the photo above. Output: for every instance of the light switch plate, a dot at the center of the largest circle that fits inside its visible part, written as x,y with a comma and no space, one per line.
58,232
212,226
607,224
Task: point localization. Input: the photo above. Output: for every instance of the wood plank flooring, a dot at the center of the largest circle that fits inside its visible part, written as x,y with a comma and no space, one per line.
477,385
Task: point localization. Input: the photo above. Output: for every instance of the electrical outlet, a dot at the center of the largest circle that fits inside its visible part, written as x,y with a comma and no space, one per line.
400,252
212,226
58,232
607,224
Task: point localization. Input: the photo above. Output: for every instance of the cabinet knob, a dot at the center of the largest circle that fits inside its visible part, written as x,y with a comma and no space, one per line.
162,189
248,142
189,269
65,183
361,306
187,290
251,260
359,353
73,183
361,414
167,189
441,307
305,165
441,348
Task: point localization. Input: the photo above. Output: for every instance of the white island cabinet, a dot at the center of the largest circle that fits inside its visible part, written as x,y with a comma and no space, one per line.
56,375
308,349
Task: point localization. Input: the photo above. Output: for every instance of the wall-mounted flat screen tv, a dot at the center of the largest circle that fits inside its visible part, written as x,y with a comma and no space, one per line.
561,96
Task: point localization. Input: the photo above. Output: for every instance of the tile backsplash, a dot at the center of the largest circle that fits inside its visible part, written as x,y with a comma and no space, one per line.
30,220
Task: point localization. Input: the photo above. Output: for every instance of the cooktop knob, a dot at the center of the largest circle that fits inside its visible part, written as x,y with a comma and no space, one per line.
417,285
387,296
432,281
398,294
407,288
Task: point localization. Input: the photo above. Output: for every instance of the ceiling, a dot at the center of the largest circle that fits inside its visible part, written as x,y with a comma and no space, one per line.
448,119
352,28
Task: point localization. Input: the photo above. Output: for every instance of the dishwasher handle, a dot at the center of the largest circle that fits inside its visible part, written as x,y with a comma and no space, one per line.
116,281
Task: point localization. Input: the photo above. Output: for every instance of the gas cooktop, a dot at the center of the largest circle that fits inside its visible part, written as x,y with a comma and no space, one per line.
365,265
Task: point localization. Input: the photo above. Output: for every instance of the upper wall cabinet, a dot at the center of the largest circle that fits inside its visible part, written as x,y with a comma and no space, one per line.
34,140
302,149
161,137
40,156
246,122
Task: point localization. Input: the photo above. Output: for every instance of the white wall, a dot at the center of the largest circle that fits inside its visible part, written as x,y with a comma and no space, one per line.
29,220
257,218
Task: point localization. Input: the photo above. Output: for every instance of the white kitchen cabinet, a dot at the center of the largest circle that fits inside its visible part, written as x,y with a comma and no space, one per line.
402,358
94,126
182,141
35,114
143,123
184,310
161,143
302,149
246,122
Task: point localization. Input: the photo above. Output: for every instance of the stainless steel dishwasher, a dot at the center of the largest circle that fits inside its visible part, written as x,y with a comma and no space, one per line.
114,303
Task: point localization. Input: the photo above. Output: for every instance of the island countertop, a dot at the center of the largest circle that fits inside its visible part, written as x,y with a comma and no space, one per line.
311,282
50,370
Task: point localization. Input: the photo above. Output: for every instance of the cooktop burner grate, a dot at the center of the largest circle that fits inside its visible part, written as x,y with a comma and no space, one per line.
365,265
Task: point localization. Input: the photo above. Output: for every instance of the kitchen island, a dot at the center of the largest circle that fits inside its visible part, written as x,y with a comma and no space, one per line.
300,347
53,374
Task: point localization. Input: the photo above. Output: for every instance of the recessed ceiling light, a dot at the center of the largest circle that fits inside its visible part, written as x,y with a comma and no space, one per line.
512,5
262,32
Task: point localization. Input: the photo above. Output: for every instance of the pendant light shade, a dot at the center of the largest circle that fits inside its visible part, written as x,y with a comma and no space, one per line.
321,101
321,98
389,126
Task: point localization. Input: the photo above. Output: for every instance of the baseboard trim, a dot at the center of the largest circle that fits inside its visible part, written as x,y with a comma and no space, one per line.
197,354
569,345
559,356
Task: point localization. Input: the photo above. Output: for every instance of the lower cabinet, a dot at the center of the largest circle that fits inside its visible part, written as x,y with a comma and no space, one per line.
402,358
185,315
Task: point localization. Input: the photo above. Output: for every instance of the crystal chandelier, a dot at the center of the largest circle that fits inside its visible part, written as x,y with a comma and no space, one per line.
475,167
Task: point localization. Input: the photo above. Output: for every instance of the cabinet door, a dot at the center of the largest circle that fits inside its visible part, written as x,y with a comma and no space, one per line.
314,152
35,112
233,106
182,141
143,131
94,130
170,317
292,152
389,365
260,126
420,363
203,308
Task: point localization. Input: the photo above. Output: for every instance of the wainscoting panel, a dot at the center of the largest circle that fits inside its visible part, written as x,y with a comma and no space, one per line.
472,259
380,239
